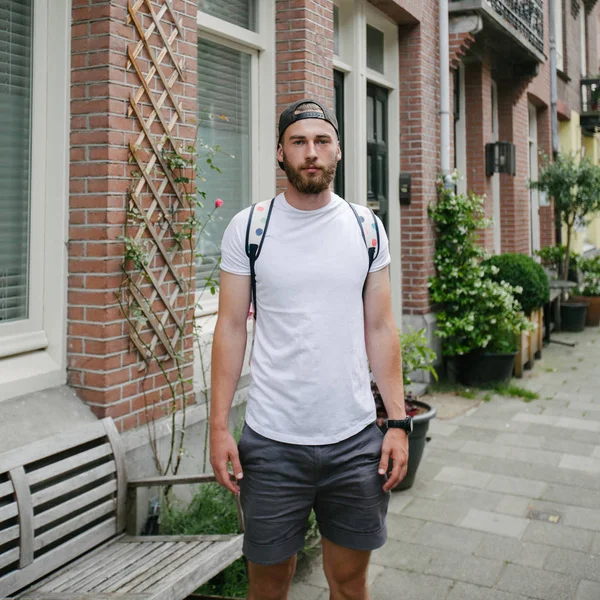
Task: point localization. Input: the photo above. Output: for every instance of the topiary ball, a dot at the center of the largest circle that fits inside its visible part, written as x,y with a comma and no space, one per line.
521,270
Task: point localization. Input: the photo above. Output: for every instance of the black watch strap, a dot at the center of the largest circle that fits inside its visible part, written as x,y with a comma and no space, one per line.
406,424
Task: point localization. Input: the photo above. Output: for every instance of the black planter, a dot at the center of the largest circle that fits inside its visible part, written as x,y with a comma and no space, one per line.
485,368
416,444
572,316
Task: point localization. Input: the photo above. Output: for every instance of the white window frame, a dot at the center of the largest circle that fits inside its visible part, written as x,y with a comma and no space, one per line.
33,350
355,15
583,41
559,34
260,45
534,196
460,143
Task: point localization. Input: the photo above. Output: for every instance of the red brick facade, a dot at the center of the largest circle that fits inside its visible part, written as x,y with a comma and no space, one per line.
102,366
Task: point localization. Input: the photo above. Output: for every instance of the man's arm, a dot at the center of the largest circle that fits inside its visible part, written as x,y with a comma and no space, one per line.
385,359
229,348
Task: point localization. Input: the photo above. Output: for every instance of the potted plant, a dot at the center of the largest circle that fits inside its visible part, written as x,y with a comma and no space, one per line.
479,318
589,289
524,272
416,356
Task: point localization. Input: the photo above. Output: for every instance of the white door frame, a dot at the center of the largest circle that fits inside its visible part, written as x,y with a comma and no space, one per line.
534,196
496,176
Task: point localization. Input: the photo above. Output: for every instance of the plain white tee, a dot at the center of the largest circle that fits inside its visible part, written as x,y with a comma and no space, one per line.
309,373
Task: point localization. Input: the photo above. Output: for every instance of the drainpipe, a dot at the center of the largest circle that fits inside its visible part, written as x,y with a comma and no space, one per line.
444,94
553,94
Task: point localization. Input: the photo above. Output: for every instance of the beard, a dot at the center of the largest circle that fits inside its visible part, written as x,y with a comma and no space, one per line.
307,184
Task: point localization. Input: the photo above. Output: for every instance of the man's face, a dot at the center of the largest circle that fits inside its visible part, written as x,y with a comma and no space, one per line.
310,151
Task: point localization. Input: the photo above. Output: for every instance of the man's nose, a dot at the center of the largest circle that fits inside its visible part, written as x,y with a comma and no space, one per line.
311,150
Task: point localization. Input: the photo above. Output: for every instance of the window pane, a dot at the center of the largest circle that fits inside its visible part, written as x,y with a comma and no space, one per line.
336,30
16,23
374,49
238,12
224,121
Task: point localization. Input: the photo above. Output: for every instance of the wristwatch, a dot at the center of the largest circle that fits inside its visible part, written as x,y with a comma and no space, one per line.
406,424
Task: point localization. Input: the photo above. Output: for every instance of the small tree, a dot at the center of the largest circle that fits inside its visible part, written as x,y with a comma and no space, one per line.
574,184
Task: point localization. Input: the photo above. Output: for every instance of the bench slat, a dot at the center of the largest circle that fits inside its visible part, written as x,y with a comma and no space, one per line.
65,508
80,568
8,512
6,489
8,557
25,505
100,572
74,524
58,557
150,581
142,574
73,483
8,534
67,464
197,571
49,446
62,596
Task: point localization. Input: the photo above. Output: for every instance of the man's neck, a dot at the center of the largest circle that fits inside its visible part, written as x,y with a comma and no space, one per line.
306,201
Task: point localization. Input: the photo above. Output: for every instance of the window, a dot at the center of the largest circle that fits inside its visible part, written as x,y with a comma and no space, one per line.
236,113
34,133
16,74
377,151
375,49
558,34
338,89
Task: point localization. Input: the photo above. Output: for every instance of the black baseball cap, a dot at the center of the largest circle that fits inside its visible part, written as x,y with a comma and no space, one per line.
291,114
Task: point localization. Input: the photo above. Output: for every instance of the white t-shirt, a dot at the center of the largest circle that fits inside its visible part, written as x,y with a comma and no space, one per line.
309,372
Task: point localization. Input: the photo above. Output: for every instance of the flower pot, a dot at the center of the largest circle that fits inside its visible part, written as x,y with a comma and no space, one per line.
593,312
484,368
416,442
572,316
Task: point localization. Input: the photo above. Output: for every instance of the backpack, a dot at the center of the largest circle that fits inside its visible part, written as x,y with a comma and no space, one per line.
258,222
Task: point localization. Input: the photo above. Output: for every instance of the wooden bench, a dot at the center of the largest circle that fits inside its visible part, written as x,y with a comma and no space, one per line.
63,513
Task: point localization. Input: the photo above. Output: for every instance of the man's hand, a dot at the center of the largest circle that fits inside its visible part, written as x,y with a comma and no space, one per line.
395,447
223,450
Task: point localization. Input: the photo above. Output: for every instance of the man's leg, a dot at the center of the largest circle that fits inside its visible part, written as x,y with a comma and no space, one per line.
270,582
346,571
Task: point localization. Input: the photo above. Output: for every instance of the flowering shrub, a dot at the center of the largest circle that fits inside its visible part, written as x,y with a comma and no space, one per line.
476,312
590,272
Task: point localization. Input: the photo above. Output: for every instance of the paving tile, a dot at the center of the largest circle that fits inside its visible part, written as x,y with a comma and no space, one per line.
582,565
399,501
519,440
403,555
490,522
596,452
580,424
558,535
584,518
304,591
469,497
516,486
580,463
511,550
461,567
530,455
536,583
509,425
446,443
447,537
517,506
467,591
567,446
588,590
437,427
484,449
438,511
595,549
465,477
429,489
537,419
403,529
393,584
574,496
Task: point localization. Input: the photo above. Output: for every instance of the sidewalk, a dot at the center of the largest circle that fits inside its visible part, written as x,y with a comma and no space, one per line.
506,505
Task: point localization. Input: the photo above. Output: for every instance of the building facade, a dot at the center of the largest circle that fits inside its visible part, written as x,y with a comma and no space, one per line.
94,90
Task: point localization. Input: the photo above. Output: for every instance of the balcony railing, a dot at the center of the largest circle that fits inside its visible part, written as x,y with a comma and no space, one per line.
526,16
590,103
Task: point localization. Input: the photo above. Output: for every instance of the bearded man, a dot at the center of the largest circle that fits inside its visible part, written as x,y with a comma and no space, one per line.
310,440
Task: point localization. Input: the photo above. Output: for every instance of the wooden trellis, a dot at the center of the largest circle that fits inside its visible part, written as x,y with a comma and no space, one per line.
156,197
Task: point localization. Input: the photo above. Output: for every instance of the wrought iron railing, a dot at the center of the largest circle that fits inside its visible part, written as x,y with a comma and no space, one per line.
527,16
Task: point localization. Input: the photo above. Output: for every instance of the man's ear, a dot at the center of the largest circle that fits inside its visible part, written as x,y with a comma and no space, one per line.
339,152
280,152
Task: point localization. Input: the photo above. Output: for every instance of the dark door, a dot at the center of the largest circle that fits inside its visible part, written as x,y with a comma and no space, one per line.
377,152
338,89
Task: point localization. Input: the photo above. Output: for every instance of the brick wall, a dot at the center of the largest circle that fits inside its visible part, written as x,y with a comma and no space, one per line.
304,54
101,365
419,152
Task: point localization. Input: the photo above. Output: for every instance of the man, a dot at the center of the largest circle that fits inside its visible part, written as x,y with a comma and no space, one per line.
310,438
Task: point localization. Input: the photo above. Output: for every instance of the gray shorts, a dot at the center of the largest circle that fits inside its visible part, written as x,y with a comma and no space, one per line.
283,482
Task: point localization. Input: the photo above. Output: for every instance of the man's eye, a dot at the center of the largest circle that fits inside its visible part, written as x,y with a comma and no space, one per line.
298,142
323,141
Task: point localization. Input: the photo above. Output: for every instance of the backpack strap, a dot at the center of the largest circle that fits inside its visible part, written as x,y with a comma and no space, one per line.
256,230
369,229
